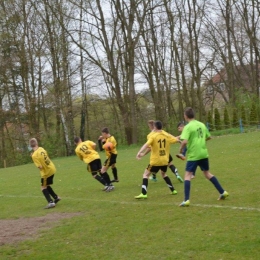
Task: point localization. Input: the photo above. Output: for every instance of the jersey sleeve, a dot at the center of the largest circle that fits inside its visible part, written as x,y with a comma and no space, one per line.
173,139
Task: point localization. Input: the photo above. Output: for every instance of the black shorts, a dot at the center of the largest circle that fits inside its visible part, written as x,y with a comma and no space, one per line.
155,169
94,166
111,160
47,181
170,158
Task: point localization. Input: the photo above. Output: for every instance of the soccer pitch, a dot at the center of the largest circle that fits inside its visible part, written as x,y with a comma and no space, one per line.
91,224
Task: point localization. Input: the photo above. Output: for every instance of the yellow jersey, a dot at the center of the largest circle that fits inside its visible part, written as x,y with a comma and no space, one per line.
112,140
86,152
160,142
40,158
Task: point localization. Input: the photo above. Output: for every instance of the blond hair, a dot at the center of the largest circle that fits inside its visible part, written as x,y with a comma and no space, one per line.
33,142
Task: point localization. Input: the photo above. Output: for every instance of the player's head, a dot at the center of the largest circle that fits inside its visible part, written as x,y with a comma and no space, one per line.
158,125
150,124
189,113
105,132
33,142
180,126
77,140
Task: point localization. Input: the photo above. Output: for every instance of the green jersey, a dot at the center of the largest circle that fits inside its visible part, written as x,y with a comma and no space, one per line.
196,134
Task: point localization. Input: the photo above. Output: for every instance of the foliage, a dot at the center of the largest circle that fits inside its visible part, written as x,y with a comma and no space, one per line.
226,118
217,120
243,115
253,115
116,219
210,120
235,122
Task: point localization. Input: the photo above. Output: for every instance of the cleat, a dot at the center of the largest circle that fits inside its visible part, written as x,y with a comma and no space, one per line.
192,176
57,200
115,181
152,178
50,205
181,156
179,178
141,196
110,188
105,188
174,192
223,196
185,203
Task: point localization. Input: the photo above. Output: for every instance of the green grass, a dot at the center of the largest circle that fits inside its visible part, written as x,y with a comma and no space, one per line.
116,226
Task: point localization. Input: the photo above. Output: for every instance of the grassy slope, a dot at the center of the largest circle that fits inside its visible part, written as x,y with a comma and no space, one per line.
115,226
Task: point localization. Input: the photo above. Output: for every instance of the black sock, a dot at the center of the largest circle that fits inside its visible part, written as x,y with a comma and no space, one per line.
174,169
106,177
47,195
51,192
144,186
114,171
100,179
169,183
154,175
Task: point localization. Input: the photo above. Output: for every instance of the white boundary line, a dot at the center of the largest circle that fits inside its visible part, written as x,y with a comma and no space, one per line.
136,202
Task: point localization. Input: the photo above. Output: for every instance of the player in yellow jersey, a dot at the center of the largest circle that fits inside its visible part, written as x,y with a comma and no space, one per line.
86,151
170,164
47,170
110,155
159,142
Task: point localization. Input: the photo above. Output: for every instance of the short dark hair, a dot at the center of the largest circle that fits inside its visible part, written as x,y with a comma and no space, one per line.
158,124
180,124
189,112
105,130
77,140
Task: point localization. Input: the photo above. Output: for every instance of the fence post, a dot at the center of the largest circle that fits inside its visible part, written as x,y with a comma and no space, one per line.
241,126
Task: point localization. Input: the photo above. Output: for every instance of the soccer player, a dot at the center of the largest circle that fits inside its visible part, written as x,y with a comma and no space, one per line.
110,155
86,151
159,143
181,156
170,164
194,136
47,170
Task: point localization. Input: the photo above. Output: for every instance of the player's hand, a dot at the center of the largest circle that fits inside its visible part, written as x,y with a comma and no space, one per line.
139,156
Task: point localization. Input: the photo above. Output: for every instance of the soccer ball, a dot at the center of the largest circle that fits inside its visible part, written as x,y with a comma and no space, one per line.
108,146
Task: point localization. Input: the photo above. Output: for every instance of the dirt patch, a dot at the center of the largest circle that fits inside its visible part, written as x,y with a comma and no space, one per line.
16,230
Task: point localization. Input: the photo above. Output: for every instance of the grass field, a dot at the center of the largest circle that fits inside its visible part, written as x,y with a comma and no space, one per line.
116,226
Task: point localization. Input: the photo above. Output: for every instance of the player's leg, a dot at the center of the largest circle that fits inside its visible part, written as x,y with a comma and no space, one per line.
113,167
146,175
190,168
167,180
174,169
153,177
182,155
51,191
104,173
45,182
94,167
204,165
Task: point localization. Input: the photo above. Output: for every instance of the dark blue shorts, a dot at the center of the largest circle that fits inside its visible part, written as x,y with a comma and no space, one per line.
191,166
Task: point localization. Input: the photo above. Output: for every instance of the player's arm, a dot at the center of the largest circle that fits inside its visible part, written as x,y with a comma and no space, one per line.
174,139
37,163
140,153
101,142
183,145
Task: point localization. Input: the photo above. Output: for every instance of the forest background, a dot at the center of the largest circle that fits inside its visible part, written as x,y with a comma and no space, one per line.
72,67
